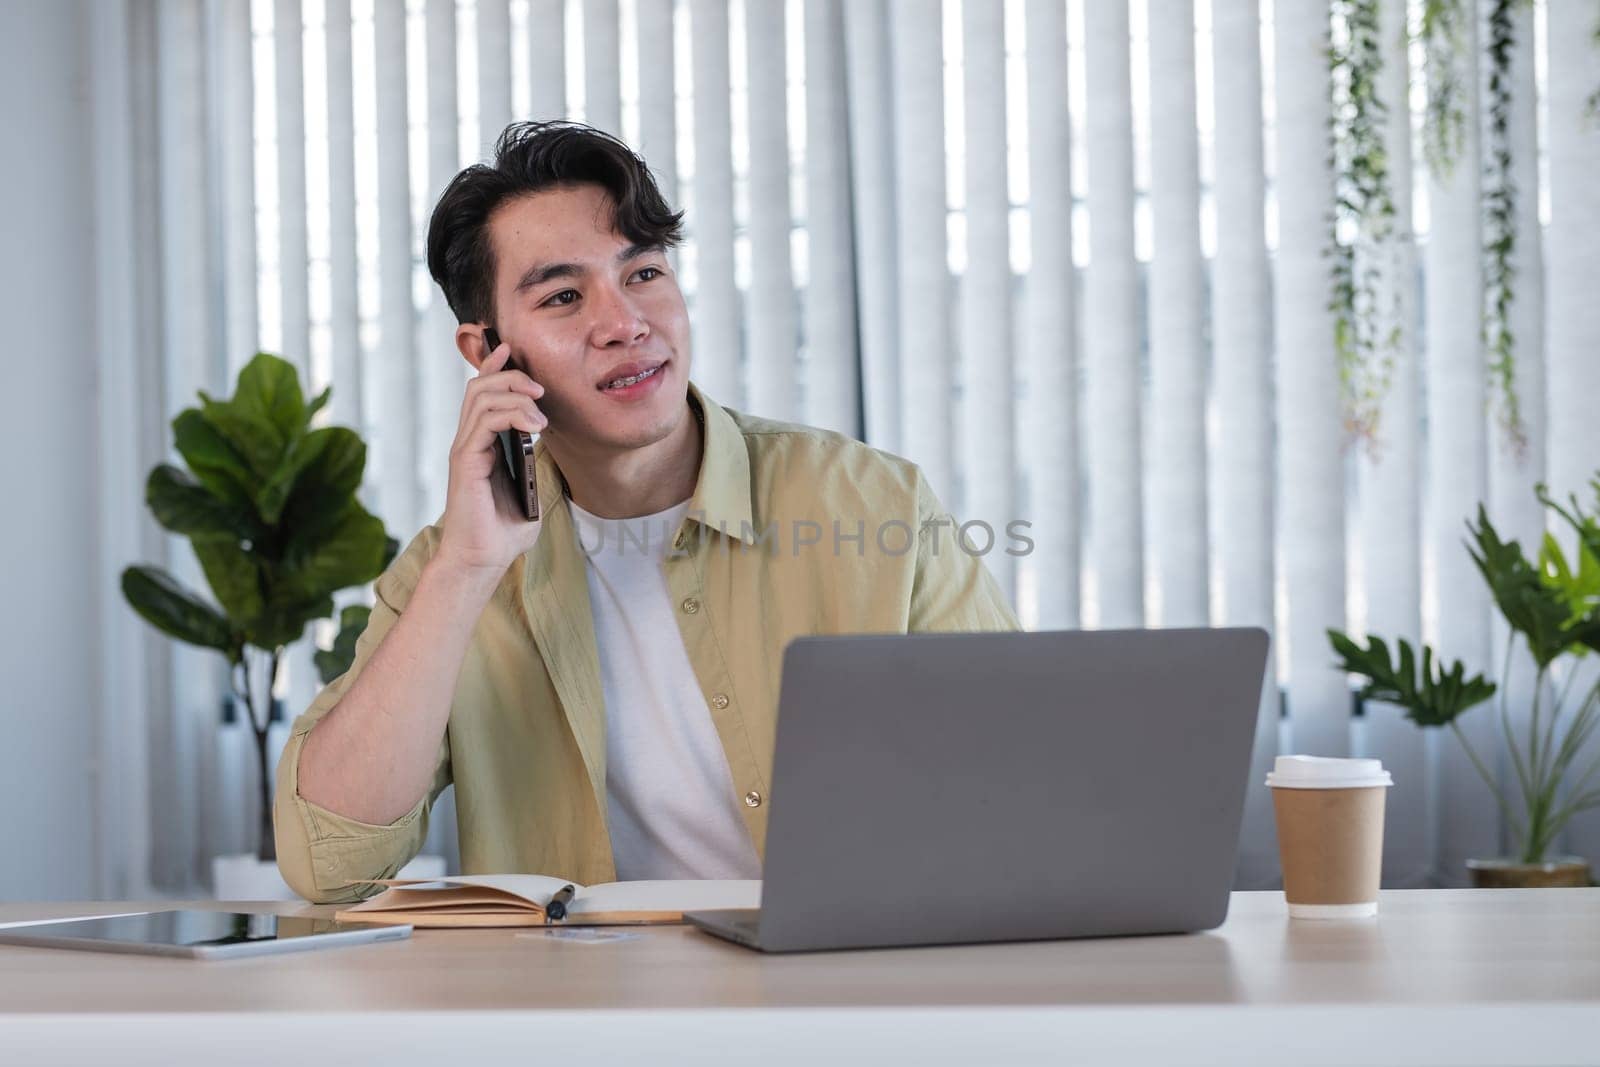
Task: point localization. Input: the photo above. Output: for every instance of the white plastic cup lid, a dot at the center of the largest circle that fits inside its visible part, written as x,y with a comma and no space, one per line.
1324,772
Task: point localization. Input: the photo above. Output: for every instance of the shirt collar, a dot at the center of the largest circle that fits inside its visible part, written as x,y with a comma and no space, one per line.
721,499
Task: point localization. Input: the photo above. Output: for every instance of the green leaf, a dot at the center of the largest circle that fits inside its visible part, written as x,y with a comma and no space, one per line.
334,468
214,461
1578,586
183,505
284,621
320,474
234,576
176,612
269,390
1530,607
351,553
1585,525
317,403
331,663
252,436
354,615
1431,698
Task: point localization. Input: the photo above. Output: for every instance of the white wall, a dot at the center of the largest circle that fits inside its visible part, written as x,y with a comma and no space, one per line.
48,645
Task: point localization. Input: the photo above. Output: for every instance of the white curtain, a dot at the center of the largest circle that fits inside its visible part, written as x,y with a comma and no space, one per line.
893,209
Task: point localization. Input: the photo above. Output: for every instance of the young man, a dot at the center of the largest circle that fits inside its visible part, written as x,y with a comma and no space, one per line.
600,685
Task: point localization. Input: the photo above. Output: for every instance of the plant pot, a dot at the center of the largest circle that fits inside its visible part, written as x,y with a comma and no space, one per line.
1512,874
244,877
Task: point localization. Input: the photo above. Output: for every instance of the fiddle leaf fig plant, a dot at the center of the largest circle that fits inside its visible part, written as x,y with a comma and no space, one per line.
1551,604
269,506
332,662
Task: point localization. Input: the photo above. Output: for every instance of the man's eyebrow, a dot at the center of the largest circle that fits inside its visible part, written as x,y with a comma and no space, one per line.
540,273
637,250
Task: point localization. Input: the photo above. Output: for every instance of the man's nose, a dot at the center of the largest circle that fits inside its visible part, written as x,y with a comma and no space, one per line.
617,319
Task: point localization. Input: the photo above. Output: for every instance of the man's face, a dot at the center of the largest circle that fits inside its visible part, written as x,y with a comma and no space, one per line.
582,307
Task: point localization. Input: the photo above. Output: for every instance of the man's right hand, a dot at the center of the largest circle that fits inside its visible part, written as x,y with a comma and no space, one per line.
484,528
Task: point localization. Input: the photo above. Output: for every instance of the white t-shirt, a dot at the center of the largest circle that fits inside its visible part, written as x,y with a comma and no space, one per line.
672,810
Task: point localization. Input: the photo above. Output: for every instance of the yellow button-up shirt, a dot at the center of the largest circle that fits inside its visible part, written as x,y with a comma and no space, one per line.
791,531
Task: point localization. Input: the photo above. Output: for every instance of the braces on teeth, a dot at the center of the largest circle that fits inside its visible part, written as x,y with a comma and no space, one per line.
620,382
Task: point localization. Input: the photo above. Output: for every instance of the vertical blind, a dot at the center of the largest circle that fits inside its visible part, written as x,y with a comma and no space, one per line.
1389,532
1240,441
1067,256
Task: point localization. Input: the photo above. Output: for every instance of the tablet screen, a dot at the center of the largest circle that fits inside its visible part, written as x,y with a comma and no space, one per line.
180,929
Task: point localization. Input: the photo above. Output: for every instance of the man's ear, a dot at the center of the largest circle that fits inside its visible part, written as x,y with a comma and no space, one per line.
470,342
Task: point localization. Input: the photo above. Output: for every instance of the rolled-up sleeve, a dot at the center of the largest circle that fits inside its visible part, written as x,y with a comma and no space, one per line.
952,589
320,853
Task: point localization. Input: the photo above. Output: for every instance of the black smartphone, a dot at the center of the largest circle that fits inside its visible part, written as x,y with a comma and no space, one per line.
517,448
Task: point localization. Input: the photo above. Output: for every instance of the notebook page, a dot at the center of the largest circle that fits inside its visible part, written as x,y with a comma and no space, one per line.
436,896
537,888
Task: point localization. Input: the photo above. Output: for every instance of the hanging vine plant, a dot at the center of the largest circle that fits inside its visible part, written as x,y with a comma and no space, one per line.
1445,123
1500,229
1364,206
1592,107
1366,328
1440,33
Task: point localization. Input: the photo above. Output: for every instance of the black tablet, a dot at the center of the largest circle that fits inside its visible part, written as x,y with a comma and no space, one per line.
206,935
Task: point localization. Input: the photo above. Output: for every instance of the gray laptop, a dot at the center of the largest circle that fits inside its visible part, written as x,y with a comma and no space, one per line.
947,788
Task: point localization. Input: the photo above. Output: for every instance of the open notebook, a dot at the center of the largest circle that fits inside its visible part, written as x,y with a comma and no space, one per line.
519,900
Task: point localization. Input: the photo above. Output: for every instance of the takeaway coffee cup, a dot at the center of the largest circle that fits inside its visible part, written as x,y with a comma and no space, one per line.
1330,834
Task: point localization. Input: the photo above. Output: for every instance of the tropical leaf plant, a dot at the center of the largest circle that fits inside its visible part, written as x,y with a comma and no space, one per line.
1431,696
269,506
1552,605
1543,607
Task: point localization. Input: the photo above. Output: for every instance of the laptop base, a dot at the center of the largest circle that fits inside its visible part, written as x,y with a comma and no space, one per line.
739,925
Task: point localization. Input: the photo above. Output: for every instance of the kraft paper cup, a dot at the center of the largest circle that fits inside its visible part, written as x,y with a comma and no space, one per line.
1330,834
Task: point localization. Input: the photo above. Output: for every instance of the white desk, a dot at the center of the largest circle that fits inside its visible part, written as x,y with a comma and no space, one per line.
1442,976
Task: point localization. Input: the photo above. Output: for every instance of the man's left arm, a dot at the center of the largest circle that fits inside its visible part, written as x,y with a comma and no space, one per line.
952,589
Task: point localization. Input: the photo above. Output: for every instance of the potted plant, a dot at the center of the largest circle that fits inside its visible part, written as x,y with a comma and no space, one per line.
1552,606
269,505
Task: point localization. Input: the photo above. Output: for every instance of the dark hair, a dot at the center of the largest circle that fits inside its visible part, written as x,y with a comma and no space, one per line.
530,157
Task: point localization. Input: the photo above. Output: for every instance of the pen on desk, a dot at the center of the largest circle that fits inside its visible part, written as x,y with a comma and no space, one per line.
556,910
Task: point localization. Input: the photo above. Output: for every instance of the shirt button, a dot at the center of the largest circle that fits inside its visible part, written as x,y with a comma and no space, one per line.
690,605
719,701
752,799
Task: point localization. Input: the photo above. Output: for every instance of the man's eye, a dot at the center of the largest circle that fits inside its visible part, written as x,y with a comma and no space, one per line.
561,297
654,272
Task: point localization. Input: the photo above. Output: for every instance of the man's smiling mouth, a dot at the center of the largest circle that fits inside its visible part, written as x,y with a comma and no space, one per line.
633,379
